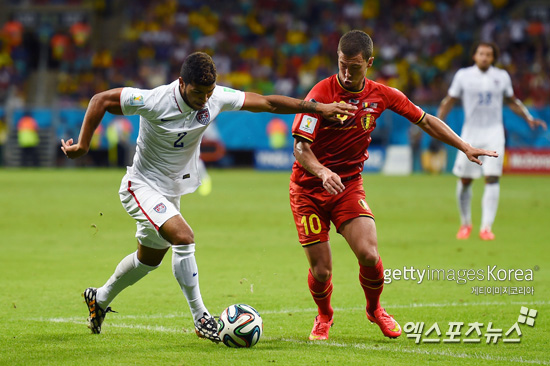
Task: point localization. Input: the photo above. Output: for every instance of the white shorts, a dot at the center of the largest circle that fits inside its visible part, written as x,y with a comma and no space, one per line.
464,168
149,208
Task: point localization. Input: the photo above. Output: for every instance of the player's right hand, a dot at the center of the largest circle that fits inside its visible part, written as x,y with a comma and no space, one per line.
332,182
72,151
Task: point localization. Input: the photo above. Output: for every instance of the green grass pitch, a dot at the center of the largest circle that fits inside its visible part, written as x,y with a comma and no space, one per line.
65,230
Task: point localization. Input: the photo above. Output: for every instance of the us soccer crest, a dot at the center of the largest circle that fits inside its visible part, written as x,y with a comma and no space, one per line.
366,121
160,208
203,116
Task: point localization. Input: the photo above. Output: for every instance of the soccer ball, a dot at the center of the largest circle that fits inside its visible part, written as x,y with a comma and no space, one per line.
239,326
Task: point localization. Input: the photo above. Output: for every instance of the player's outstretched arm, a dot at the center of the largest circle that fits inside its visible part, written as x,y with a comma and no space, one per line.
285,105
439,130
519,108
107,101
331,181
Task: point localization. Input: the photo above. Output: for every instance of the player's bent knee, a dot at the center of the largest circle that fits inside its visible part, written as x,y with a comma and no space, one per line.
369,257
321,274
183,239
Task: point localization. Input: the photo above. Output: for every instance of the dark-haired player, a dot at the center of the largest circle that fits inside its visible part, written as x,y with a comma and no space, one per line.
173,119
326,184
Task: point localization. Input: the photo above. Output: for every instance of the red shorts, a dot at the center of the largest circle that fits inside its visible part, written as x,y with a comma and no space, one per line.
314,208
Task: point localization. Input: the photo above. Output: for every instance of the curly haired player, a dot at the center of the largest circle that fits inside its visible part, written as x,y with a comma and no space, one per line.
173,119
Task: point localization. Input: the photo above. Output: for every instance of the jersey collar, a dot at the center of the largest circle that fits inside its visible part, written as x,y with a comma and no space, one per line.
484,72
349,91
179,99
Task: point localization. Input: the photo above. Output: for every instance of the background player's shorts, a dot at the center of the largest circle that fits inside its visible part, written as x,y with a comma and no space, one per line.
464,168
314,209
149,208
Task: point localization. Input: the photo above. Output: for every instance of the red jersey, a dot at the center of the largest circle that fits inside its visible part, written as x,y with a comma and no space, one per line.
343,147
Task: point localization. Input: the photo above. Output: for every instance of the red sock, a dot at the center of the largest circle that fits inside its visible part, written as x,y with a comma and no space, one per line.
372,281
321,292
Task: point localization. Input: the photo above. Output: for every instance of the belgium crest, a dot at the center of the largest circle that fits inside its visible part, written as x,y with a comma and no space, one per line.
366,121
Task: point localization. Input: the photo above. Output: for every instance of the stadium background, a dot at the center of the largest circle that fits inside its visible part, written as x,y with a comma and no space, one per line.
54,55
64,229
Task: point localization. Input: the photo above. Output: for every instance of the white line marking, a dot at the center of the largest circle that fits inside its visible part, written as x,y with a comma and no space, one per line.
154,328
306,310
362,346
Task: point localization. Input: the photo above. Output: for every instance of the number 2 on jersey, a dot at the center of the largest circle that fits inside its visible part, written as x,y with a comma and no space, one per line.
314,224
178,142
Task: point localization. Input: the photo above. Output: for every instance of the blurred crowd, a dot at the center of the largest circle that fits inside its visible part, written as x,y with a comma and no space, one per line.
273,46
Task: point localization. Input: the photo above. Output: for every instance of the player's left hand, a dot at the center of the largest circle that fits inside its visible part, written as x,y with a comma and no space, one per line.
535,122
72,151
336,112
473,153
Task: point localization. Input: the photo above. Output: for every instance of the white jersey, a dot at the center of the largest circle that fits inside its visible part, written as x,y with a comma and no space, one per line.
170,133
482,96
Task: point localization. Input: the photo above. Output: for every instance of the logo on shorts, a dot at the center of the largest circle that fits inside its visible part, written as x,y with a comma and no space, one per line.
363,204
203,116
160,208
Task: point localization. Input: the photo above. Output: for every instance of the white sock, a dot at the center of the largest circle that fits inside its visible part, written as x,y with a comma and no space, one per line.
464,199
129,271
489,205
185,270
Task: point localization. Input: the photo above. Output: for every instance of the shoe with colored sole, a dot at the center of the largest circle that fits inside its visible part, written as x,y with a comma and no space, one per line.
97,314
486,234
464,232
207,327
387,323
320,330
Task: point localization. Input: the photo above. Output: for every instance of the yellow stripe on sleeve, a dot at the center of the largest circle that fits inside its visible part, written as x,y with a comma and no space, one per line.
421,118
302,136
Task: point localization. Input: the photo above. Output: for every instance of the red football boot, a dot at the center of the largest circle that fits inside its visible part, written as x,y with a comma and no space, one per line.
486,234
464,232
387,323
320,330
